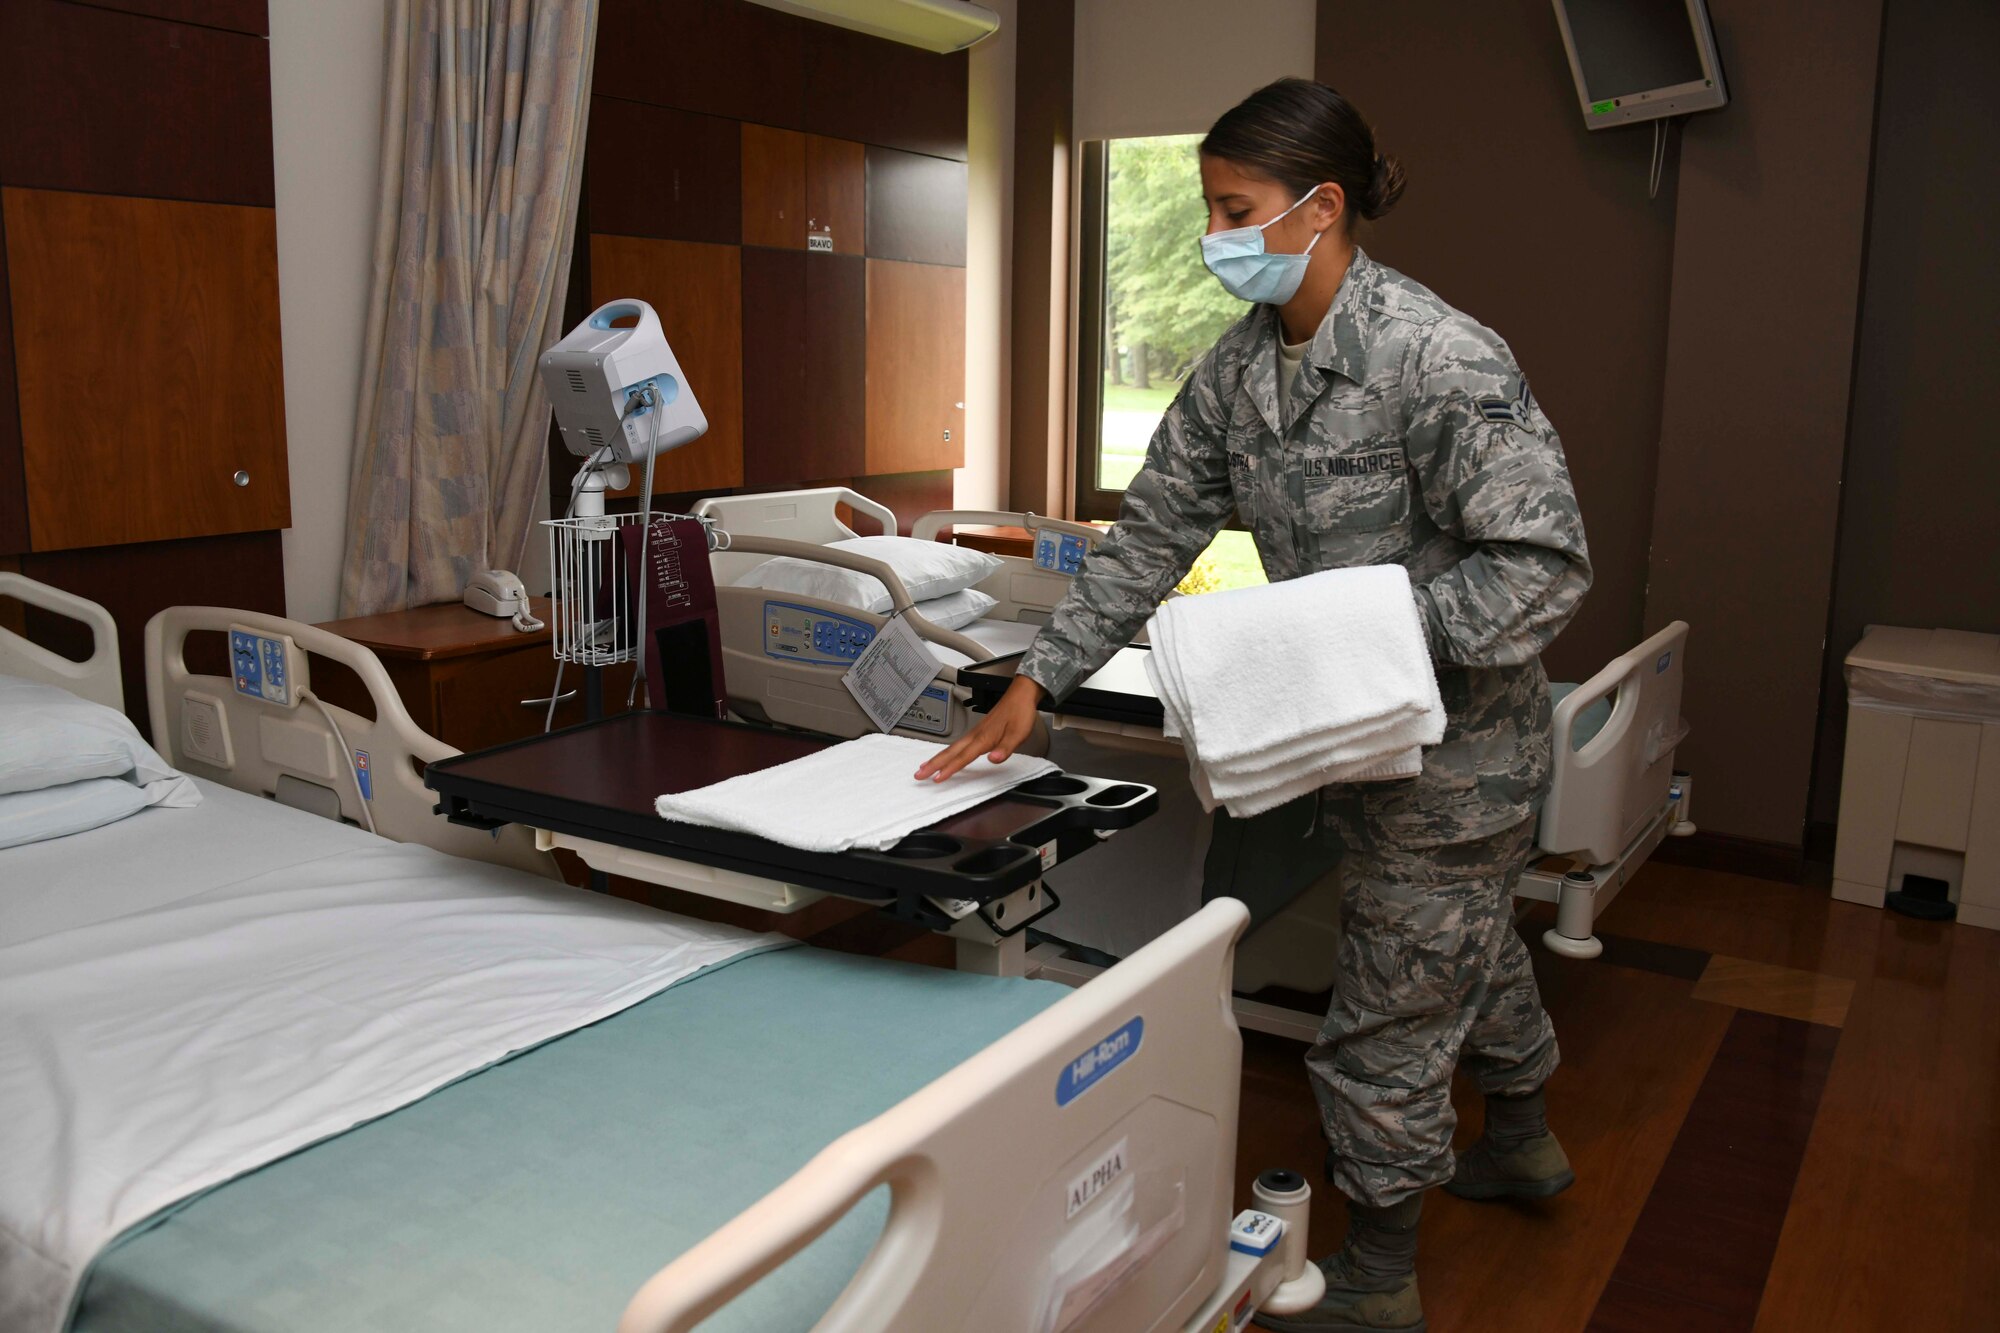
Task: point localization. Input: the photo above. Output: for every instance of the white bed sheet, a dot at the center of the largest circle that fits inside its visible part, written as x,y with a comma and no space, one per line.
156,858
192,993
1003,637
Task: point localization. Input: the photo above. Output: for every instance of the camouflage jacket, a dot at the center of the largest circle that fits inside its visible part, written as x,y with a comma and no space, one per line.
1409,436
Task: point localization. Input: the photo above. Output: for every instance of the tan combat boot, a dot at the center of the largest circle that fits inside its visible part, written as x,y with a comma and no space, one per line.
1353,1304
1537,1169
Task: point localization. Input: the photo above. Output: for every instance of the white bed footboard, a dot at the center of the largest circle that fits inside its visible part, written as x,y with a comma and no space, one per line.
1074,1175
1603,795
204,727
96,677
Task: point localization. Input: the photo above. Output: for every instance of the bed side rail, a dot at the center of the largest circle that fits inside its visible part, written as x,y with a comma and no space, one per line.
1126,1090
96,677
206,728
1602,793
899,595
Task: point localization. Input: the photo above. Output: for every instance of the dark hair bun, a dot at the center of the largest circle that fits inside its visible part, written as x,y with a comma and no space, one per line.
1303,134
1385,187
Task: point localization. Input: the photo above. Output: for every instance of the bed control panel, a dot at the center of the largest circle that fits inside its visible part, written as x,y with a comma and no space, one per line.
807,634
270,667
930,713
1061,552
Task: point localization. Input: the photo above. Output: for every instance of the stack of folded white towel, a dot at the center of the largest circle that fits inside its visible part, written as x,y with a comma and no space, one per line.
1279,690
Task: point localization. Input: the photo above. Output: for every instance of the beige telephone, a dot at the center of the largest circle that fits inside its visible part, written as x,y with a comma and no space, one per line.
497,592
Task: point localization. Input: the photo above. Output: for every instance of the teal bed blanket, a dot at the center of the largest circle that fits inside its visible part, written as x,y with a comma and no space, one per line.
539,1193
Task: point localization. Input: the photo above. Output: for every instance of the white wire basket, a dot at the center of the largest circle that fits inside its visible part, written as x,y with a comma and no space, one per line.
595,617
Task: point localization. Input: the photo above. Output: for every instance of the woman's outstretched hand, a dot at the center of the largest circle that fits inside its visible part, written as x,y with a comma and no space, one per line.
996,736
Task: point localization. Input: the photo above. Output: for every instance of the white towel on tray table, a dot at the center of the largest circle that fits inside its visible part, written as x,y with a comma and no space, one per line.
858,794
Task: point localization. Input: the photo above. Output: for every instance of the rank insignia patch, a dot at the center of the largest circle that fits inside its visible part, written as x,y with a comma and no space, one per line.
1514,410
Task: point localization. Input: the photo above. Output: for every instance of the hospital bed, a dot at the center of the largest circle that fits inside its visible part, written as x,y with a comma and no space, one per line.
805,691
1018,1156
1614,796
1614,793
1118,904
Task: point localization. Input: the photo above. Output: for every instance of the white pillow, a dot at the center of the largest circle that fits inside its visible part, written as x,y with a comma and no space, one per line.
956,610
55,812
49,738
928,569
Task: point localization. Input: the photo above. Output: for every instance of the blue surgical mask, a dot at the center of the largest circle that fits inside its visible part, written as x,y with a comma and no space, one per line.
1238,260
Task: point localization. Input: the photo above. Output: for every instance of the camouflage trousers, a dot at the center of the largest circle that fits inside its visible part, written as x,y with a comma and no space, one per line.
1432,973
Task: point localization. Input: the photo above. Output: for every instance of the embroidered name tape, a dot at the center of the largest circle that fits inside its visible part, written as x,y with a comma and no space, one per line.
1353,465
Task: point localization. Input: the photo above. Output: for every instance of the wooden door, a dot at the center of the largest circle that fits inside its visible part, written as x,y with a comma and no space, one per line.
916,367
150,377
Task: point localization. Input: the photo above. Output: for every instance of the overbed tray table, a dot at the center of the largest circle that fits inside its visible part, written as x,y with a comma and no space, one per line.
975,876
1117,697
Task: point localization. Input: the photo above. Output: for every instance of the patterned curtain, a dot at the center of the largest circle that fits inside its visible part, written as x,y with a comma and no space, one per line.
482,152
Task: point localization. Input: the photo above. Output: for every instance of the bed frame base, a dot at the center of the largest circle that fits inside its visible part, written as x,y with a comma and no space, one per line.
1581,895
1051,962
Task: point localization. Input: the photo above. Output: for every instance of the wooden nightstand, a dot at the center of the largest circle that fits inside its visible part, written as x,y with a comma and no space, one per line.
994,541
471,680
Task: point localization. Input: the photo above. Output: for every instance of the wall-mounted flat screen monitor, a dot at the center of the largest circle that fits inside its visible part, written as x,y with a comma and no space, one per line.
1640,59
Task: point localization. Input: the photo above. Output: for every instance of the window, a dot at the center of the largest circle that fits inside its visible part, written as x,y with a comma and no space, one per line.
1149,311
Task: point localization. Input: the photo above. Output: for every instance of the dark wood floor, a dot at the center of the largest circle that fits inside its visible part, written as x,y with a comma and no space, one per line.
1784,1113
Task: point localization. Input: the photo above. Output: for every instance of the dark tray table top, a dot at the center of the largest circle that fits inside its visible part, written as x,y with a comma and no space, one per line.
1118,691
599,780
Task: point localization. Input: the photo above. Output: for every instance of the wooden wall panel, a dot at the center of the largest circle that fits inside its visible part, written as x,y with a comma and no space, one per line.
697,290
1770,216
110,103
916,367
1039,341
775,433
910,495
665,173
136,582
13,484
1591,254
146,344
1916,542
774,187
717,57
775,127
916,207
804,335
251,16
795,183
836,366
881,92
837,191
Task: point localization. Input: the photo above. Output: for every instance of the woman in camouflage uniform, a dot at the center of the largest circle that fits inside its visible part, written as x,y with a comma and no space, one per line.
1354,418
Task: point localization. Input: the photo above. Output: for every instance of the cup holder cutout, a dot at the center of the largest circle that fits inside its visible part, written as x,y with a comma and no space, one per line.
925,846
1055,784
1121,794
992,860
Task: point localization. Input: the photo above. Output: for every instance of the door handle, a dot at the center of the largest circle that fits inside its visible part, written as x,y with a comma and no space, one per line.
552,699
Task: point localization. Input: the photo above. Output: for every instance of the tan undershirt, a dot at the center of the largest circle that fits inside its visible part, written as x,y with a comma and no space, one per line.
1290,357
